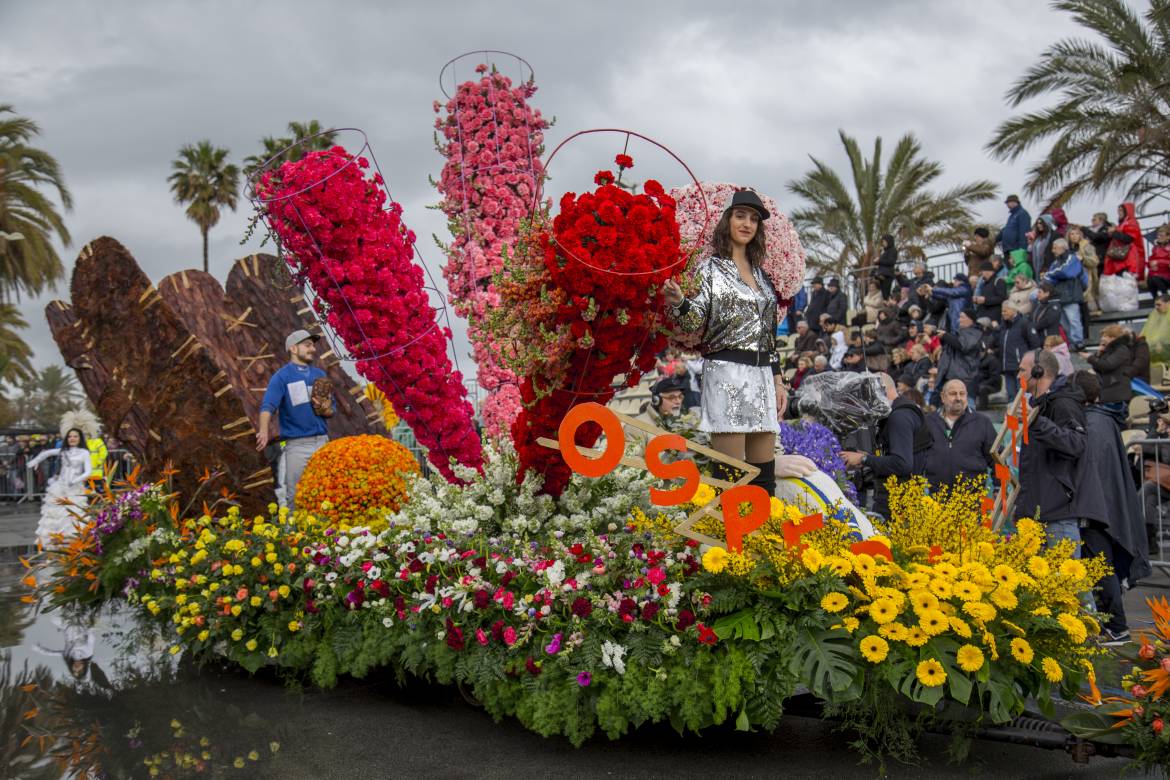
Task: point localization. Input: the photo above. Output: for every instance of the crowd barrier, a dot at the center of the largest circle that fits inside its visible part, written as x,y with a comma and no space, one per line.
1151,459
19,483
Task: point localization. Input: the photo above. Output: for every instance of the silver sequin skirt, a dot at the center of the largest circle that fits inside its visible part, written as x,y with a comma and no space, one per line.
738,398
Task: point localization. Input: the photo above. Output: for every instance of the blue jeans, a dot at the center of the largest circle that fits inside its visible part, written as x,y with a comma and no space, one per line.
1011,385
1070,320
1057,530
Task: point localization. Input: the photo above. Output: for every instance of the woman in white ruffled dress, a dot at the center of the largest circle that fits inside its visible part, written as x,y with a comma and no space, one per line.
65,497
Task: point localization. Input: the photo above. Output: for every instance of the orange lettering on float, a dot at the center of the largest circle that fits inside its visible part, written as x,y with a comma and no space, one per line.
793,531
615,439
1013,424
935,554
1004,475
737,526
988,504
680,469
872,548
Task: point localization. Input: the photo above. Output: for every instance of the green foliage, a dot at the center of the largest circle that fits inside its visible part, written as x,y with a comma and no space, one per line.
826,662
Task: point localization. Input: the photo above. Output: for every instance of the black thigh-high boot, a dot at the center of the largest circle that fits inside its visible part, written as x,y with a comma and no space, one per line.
767,476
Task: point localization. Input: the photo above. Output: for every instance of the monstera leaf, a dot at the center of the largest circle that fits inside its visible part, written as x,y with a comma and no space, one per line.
825,660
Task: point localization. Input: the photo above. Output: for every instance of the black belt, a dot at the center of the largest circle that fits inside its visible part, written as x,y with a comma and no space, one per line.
745,357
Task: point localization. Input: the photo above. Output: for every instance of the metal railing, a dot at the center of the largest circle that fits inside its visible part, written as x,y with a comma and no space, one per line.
1151,458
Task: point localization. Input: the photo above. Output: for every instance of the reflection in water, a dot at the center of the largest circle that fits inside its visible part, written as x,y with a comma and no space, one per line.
95,694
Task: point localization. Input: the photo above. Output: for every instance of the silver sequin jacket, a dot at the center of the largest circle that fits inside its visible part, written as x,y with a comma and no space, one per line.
728,313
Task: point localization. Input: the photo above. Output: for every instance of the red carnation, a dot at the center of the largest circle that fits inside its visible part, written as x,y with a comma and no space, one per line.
649,611
624,161
686,619
531,666
582,607
603,178
707,636
482,598
454,636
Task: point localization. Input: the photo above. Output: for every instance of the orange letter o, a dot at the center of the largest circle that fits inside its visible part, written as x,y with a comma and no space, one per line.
615,439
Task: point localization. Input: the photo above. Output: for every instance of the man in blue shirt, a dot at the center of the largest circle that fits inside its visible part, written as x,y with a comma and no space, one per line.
1014,234
302,429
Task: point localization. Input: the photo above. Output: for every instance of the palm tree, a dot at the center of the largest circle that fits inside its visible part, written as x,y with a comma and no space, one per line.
47,395
842,228
15,355
204,180
28,218
298,131
1110,121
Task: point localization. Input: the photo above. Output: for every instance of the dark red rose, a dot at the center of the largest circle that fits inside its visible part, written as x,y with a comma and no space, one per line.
627,607
531,666
582,607
481,599
454,636
686,619
649,611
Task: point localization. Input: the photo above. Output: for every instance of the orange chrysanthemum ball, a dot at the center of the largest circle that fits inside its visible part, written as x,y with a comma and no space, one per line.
356,480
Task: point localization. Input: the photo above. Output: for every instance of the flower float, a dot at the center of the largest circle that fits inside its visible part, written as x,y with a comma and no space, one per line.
587,612
356,480
492,140
341,237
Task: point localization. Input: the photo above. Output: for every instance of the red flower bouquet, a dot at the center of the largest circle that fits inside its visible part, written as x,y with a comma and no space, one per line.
492,141
355,253
605,261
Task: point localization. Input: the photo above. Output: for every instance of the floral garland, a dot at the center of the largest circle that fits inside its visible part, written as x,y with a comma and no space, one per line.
492,141
355,480
702,205
607,256
355,252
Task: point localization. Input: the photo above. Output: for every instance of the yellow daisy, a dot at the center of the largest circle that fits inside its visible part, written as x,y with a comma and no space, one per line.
883,610
1072,569
1022,651
922,600
915,637
933,622
894,631
931,673
941,588
875,649
834,602
960,627
1005,575
965,590
1052,669
812,560
1004,598
970,658
980,611
715,560
839,565
1038,567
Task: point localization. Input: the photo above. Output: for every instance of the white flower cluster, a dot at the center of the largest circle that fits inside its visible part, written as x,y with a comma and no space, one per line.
612,655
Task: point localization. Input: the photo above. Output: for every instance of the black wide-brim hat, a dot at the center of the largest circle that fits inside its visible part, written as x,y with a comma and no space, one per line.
749,199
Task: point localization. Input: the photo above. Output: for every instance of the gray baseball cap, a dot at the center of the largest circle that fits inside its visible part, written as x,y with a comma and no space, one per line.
297,336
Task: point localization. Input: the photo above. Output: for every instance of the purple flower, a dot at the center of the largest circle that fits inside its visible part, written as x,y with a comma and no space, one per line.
817,443
584,679
554,646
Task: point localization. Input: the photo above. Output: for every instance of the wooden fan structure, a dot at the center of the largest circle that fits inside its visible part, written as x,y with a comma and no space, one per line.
177,372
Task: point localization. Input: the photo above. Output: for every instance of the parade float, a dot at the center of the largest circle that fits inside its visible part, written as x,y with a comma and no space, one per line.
583,591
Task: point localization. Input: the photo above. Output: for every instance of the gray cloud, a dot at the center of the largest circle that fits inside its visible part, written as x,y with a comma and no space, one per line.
742,93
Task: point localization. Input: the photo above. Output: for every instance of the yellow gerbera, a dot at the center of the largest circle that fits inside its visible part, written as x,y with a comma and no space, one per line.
1010,626
863,564
1073,627
851,624
1004,598
945,569
931,673
875,649
985,550
715,560
834,602
923,600
1052,669
1072,569
883,610
1042,612
970,658
1038,566
894,631
1022,651
965,590
1005,575
933,622
839,565
960,627
941,587
915,637
1091,625
812,560
979,610
917,580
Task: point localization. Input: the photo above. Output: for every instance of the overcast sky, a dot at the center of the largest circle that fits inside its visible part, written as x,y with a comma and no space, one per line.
742,92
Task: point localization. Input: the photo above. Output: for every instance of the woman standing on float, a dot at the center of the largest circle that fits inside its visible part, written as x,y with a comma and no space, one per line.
735,309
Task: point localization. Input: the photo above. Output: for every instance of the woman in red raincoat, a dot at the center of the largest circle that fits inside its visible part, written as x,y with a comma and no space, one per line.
1127,235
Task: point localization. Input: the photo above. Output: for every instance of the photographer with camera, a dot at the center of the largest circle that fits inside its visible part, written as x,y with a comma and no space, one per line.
900,443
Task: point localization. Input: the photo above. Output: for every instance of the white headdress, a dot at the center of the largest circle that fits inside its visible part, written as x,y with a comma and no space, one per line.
83,419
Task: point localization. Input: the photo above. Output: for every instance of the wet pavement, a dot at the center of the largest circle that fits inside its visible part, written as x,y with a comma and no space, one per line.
123,705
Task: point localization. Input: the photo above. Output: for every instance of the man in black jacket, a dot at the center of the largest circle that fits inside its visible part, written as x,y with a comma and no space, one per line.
1019,338
900,446
818,301
1056,441
990,294
806,340
1046,313
837,305
961,440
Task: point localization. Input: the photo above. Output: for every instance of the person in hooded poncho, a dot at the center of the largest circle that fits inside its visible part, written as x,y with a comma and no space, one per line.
1126,237
1156,332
